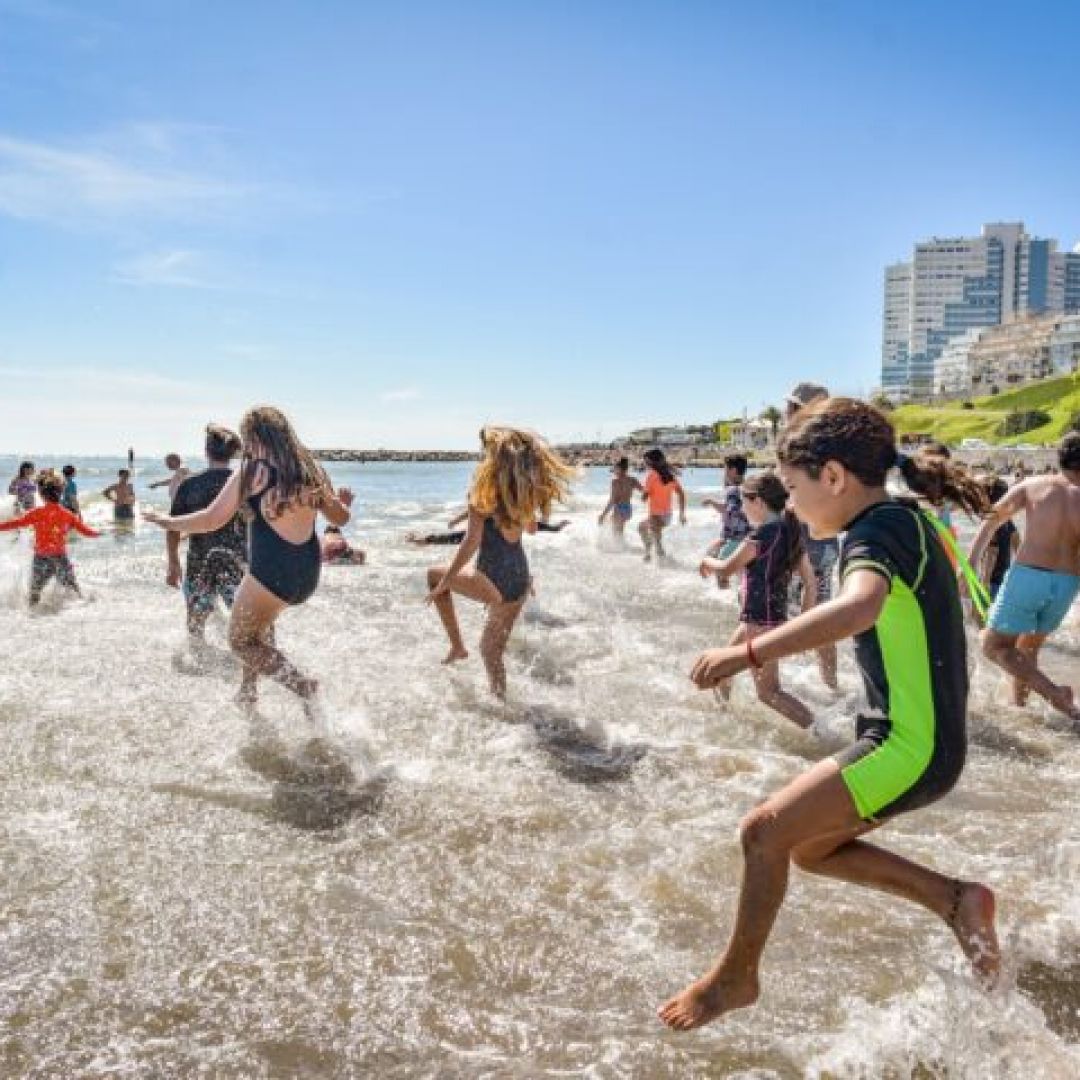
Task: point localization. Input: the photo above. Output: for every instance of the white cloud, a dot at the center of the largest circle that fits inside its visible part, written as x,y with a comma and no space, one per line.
405,393
129,174
178,268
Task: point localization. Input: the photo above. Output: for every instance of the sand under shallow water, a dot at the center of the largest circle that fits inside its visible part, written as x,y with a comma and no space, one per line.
440,886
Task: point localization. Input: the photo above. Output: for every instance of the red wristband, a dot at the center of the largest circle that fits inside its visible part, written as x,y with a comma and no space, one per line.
750,655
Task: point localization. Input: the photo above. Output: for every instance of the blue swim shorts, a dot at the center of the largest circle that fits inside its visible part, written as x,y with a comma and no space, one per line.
1033,601
624,511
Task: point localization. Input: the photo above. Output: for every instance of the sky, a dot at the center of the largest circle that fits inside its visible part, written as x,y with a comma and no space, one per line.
398,221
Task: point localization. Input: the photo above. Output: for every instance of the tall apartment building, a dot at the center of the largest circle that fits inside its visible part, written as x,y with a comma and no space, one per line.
953,285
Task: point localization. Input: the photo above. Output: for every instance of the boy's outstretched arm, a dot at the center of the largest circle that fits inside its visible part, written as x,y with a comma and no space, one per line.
17,523
856,609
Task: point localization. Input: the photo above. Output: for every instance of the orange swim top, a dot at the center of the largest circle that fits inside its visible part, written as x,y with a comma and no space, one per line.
51,524
659,493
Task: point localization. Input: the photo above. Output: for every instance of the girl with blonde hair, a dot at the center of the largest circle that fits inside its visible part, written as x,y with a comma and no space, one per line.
517,480
281,488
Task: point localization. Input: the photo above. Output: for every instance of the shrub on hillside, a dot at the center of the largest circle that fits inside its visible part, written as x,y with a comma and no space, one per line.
967,405
1074,422
1021,421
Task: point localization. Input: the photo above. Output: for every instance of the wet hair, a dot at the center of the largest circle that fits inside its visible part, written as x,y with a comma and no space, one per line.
170,458
300,478
770,489
996,488
623,463
518,478
50,486
25,469
222,444
124,474
68,471
737,462
655,459
860,438
1069,452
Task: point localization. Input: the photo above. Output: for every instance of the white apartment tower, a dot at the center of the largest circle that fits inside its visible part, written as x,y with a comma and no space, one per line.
953,285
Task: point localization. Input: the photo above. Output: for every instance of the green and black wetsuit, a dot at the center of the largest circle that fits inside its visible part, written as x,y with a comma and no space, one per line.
912,744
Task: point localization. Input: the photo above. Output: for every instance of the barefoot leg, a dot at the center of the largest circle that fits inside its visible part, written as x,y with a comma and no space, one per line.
444,605
1002,650
966,906
500,622
251,638
771,693
814,805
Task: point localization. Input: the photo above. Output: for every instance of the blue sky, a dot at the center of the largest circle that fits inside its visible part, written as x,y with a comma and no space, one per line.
400,220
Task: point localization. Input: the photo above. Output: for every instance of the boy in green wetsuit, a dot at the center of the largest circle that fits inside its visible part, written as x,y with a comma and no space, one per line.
899,600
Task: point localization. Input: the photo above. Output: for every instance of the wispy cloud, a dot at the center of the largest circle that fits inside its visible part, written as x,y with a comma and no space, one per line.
128,174
404,393
100,379
175,268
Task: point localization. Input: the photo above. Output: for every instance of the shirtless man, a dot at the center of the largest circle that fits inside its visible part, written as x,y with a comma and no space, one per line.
1042,582
122,496
621,500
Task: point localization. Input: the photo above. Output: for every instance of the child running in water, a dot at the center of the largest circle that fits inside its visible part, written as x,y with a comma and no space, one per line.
24,488
771,552
284,489
734,526
518,478
900,600
70,498
661,485
51,523
620,502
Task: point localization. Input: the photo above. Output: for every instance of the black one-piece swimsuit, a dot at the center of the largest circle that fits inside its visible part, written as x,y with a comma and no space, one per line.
290,571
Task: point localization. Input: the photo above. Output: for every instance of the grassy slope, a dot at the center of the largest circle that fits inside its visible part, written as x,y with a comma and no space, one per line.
1059,397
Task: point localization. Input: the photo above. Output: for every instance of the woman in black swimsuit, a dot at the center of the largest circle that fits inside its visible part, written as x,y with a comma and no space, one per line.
518,479
283,488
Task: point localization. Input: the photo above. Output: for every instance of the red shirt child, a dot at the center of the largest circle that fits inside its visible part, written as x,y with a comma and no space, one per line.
51,524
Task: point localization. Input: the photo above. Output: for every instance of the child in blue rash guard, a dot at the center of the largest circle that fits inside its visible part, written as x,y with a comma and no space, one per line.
899,599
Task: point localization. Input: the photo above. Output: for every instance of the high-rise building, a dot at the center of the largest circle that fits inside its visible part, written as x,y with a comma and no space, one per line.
953,285
1072,281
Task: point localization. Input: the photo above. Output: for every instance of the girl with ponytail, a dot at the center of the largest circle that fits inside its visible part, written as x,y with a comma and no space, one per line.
772,551
900,601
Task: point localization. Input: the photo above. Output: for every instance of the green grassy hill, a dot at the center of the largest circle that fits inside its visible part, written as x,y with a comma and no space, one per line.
950,423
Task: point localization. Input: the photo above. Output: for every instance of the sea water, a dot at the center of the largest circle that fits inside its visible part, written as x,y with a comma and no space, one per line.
427,883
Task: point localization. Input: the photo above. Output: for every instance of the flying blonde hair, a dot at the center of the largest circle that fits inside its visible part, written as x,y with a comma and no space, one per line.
518,478
300,477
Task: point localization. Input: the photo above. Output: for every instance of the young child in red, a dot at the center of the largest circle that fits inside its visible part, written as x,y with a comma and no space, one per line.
51,524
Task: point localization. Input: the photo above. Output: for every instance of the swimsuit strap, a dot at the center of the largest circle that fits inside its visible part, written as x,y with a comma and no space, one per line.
980,597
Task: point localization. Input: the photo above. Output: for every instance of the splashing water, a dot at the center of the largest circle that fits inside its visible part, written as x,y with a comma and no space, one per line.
425,882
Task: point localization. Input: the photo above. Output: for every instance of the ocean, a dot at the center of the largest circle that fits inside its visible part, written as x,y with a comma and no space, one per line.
446,886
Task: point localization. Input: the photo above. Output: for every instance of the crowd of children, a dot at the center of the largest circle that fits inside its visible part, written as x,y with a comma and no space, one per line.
901,580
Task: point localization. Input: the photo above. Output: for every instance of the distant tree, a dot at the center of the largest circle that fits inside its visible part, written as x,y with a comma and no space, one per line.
880,401
1074,422
1021,421
722,431
772,416
967,404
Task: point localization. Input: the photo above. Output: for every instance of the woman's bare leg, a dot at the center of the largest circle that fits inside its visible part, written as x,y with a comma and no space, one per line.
500,622
814,808
471,584
251,637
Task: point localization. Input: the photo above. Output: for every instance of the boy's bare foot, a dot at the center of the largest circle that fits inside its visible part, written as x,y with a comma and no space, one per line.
1065,701
972,921
455,654
706,999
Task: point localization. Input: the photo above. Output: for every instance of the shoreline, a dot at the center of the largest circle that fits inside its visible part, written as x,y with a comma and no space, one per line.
592,457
